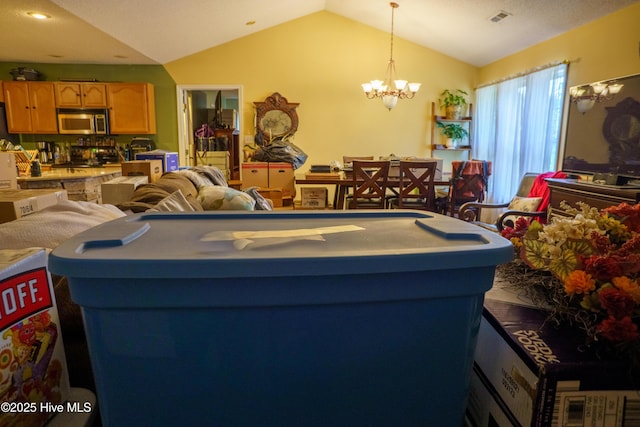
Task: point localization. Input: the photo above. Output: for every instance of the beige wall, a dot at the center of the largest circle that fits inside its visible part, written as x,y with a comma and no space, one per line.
320,61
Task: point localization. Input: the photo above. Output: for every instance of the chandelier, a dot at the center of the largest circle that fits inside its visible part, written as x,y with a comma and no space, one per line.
383,89
586,96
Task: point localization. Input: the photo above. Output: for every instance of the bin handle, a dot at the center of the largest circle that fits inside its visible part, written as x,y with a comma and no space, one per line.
125,234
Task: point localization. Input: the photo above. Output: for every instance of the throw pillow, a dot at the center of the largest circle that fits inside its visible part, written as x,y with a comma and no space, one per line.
522,204
215,197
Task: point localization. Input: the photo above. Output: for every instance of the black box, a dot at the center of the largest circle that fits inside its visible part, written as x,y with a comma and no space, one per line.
543,375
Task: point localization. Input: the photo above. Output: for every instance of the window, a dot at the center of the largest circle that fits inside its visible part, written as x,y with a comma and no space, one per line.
517,127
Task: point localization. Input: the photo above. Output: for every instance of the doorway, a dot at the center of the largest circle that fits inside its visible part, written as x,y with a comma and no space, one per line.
213,105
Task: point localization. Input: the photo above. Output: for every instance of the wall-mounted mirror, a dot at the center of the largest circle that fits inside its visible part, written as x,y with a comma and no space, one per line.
275,117
603,128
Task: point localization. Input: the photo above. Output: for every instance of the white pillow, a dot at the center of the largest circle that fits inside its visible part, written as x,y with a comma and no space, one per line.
216,197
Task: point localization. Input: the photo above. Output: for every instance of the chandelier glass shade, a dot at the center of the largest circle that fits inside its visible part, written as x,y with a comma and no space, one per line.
586,96
391,88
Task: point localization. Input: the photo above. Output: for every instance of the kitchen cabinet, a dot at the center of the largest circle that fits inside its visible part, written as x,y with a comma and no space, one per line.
81,95
30,107
438,141
131,108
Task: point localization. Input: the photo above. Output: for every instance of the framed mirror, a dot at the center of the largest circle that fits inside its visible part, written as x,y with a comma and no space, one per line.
275,117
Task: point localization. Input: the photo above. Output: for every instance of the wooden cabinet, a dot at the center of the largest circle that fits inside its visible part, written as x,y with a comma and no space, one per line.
30,107
439,142
595,195
81,95
131,108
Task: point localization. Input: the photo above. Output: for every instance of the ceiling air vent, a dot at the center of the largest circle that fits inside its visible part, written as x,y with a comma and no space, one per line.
499,16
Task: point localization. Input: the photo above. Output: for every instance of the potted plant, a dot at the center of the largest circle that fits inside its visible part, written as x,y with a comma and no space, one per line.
454,132
453,103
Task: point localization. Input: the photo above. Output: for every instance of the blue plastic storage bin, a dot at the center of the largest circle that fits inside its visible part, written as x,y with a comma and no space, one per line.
282,318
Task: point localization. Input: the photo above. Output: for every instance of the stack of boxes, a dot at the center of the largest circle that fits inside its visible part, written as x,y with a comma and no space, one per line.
8,171
530,372
275,180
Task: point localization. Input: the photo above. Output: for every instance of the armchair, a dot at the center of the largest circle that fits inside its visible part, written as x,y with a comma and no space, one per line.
520,205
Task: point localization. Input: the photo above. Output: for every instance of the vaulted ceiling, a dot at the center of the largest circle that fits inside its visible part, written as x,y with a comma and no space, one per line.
157,32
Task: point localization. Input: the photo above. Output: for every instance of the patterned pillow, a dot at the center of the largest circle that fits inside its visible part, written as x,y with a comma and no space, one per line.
523,204
216,197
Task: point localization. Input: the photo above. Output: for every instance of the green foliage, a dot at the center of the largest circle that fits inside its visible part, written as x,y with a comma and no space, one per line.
454,131
456,97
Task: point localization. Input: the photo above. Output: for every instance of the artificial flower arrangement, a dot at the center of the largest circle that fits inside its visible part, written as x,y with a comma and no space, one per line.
584,268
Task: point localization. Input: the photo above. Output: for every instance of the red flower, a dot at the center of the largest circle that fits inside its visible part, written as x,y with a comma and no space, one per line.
602,267
618,330
618,303
627,214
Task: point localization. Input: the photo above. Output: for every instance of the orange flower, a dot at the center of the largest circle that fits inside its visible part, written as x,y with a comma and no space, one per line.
579,282
629,286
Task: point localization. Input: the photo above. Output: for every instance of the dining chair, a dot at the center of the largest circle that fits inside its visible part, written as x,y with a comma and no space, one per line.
416,189
468,183
369,182
347,165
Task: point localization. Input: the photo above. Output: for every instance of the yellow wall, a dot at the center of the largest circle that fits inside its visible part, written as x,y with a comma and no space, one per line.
601,50
320,60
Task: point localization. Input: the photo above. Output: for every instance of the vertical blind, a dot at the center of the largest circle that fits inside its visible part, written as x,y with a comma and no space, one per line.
517,126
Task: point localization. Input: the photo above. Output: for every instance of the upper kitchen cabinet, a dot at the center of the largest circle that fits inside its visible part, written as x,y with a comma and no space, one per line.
81,95
30,107
131,108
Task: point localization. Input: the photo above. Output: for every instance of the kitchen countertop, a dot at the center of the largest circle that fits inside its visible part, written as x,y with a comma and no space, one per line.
71,173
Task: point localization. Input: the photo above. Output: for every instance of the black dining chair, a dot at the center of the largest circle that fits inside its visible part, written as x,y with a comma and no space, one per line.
369,182
416,189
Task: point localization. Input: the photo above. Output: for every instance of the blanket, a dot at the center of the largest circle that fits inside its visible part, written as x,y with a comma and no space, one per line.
55,224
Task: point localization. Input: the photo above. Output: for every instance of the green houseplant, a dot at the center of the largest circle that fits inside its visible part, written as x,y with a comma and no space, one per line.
453,131
453,102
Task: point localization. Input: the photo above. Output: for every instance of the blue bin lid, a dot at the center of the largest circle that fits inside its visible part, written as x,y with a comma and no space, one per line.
281,243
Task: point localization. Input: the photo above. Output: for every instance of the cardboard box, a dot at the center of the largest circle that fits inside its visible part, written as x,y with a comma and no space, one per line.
15,204
544,375
255,174
218,159
169,158
33,367
8,171
121,189
484,408
394,169
273,194
152,169
270,175
281,176
314,198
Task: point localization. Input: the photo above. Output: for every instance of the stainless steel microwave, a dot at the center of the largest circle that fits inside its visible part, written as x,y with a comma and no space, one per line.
83,123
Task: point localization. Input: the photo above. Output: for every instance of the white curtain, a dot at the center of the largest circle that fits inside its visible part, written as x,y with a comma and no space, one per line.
517,126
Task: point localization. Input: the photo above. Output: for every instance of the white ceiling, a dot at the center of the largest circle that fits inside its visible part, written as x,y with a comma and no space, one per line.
158,31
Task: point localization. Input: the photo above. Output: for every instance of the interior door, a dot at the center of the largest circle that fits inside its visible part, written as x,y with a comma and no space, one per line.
192,113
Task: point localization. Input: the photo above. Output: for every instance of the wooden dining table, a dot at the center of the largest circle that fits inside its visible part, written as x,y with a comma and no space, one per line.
343,183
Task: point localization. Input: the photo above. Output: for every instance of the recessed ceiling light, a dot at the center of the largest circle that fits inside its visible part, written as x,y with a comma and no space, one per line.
38,15
249,23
